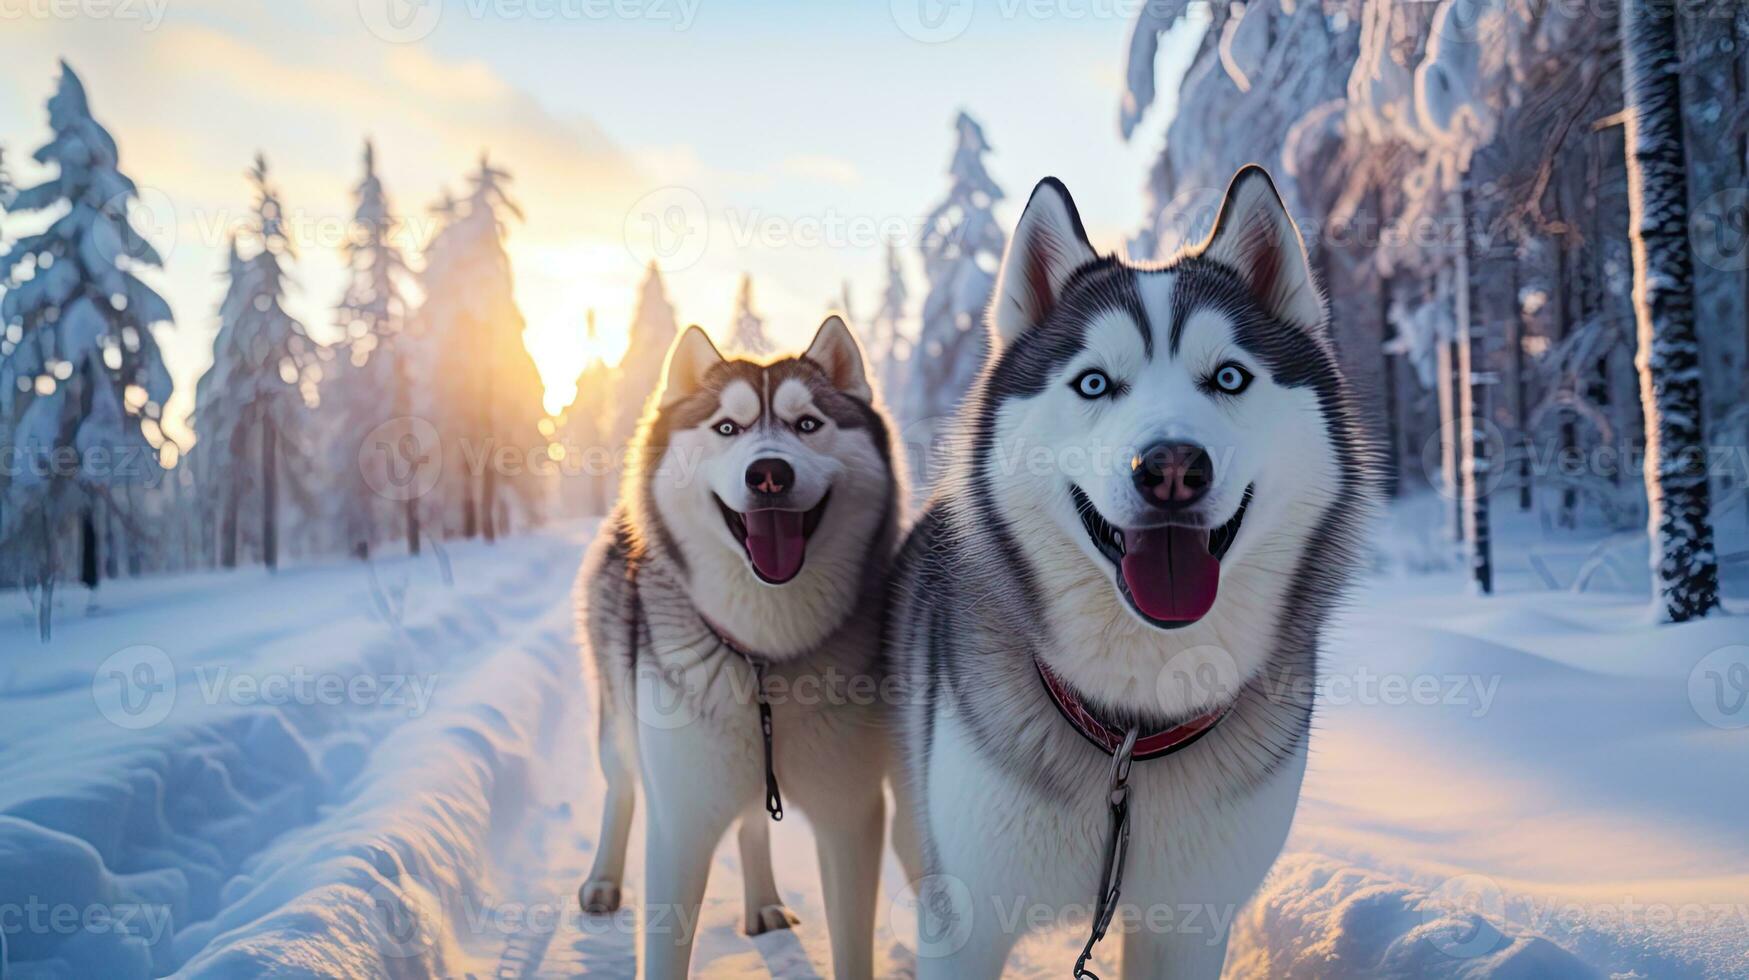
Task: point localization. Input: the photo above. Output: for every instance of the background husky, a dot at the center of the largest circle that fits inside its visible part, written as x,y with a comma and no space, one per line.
1156,498
761,512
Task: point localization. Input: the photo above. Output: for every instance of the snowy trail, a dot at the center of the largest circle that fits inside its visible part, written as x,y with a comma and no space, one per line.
180,763
1556,791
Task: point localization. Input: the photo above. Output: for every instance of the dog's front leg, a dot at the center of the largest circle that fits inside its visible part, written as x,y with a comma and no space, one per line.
1154,951
961,932
682,826
848,840
764,910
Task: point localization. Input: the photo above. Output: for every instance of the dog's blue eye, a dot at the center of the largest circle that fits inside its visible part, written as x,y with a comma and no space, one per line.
1231,378
1092,383
807,423
727,428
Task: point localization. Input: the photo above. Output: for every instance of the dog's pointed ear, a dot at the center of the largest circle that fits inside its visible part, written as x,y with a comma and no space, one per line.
688,360
1048,246
1255,237
835,350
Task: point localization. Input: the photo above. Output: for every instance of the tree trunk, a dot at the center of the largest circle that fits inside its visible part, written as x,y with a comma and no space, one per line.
1685,574
1448,434
412,527
88,563
269,494
489,504
1568,303
1388,386
1473,389
114,534
1520,411
410,506
46,573
228,528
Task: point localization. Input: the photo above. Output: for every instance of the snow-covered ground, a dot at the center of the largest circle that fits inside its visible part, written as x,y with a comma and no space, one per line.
335,772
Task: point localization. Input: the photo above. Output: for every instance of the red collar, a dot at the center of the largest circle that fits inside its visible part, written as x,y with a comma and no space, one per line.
1109,738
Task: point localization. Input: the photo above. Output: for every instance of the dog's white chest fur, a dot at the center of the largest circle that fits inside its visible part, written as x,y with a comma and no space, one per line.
1188,846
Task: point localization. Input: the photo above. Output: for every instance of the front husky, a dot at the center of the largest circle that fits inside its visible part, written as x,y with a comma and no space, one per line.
1154,506
745,570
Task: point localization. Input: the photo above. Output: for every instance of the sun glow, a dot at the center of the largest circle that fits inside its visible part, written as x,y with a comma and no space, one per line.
557,288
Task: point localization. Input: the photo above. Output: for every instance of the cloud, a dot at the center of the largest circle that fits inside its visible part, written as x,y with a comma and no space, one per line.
826,169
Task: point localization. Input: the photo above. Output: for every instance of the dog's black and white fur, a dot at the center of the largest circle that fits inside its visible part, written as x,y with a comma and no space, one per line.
1016,558
672,583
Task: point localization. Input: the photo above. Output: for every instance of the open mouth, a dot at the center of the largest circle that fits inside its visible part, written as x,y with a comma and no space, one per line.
1169,574
776,540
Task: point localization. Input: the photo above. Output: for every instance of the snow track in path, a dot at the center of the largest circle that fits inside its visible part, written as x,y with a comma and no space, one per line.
249,787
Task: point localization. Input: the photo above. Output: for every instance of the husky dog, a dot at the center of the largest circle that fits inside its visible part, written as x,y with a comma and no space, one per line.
1155,503
744,573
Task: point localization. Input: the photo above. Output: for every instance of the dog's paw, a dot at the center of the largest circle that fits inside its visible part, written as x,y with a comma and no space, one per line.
599,897
770,918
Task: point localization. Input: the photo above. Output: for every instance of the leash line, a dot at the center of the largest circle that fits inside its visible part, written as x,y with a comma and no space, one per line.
1117,848
1125,746
773,795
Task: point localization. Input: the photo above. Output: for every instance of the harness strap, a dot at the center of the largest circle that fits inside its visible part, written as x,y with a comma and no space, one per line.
773,795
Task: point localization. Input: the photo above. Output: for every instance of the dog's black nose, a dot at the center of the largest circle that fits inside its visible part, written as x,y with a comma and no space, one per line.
770,477
1171,475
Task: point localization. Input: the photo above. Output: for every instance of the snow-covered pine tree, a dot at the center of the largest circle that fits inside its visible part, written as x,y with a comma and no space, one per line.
77,345
367,383
962,246
8,385
889,348
584,434
6,186
484,392
1685,574
840,305
652,332
845,307
251,405
747,328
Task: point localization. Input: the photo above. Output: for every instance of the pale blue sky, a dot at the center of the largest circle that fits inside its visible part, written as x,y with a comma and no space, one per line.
795,134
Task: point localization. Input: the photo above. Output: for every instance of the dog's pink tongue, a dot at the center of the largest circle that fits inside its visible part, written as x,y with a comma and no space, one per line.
1170,573
776,543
